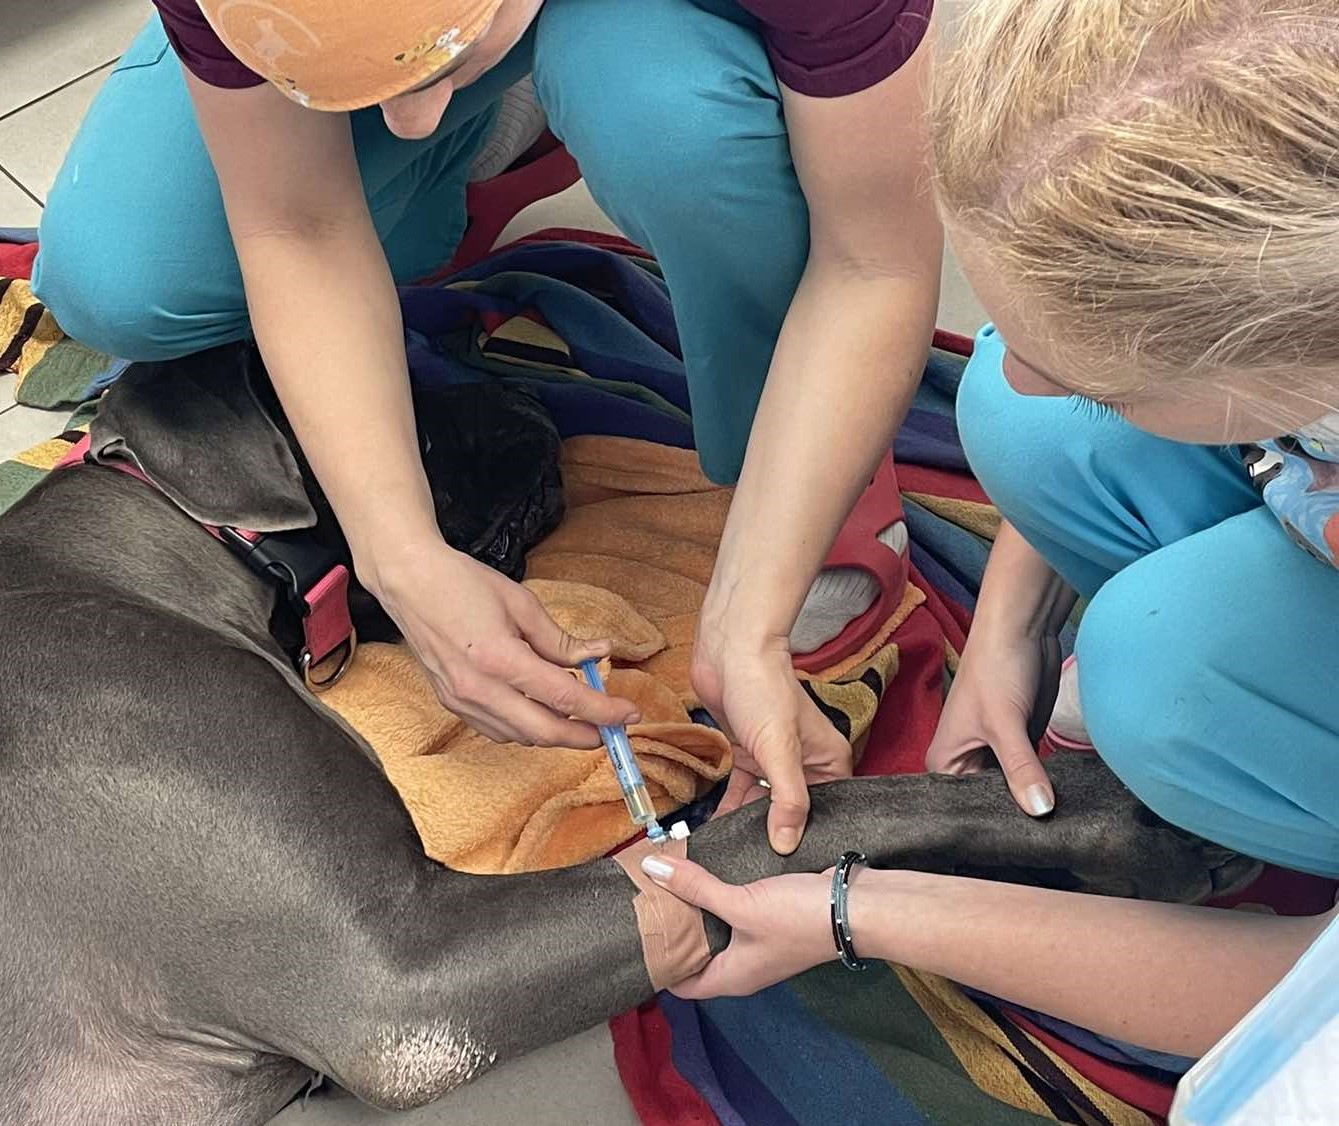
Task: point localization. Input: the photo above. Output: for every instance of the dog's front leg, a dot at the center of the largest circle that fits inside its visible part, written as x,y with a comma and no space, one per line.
539,957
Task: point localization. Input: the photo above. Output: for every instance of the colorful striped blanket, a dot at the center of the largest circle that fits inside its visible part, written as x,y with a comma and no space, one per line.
899,1046
888,1046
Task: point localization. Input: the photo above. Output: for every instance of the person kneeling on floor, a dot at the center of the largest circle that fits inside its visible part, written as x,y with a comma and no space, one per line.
308,154
1144,196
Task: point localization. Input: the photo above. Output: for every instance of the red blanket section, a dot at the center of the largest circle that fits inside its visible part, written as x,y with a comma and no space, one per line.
16,259
642,1049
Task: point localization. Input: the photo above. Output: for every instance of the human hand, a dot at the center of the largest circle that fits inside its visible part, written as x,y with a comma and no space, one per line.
999,704
495,657
779,926
777,732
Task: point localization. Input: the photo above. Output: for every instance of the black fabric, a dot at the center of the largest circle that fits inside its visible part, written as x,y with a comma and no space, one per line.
492,454
208,429
492,458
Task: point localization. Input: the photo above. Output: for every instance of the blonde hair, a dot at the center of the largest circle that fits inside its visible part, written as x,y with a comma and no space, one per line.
1155,177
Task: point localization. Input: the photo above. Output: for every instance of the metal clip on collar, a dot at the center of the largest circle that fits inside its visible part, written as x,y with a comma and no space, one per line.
320,684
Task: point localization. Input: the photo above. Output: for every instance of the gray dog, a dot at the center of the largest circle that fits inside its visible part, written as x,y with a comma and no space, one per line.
208,890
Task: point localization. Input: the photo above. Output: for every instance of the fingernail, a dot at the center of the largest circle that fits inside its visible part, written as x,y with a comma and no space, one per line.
787,840
1039,803
659,870
636,717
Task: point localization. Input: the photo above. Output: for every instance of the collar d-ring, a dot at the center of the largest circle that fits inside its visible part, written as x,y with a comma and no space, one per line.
319,684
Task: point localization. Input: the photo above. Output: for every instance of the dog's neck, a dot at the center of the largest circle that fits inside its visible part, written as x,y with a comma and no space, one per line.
136,544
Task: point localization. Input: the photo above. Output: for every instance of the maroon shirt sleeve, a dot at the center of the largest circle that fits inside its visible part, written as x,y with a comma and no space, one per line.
824,48
202,52
828,48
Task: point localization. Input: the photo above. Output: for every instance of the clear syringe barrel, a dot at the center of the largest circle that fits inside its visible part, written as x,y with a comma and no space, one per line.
630,781
629,774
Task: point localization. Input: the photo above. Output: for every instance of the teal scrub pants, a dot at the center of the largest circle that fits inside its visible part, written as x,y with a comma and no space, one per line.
1208,658
670,107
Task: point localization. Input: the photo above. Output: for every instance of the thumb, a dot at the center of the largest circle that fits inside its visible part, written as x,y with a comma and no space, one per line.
692,883
550,641
790,796
1023,770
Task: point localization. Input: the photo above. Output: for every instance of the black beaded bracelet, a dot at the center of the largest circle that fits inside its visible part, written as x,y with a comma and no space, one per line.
841,918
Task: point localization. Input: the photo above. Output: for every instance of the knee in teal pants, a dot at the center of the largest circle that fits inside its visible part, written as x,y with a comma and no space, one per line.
1207,666
674,115
136,257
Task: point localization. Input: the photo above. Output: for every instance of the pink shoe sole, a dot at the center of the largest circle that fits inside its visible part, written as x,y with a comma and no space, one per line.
858,546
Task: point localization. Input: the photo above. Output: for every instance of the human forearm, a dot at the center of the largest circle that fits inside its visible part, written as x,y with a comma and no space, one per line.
845,369
851,351
1163,976
323,307
1019,590
325,313
336,358
487,643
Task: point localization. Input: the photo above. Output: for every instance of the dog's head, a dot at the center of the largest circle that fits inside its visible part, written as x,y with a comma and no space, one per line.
209,432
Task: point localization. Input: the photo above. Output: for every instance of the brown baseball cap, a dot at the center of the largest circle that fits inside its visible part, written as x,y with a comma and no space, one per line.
347,54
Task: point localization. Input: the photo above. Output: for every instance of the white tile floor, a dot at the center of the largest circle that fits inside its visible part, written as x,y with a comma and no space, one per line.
51,43
53,58
33,140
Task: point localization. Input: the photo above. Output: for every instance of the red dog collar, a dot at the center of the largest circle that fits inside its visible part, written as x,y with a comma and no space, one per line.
314,584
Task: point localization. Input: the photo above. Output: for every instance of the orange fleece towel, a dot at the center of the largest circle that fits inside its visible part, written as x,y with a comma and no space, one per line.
630,562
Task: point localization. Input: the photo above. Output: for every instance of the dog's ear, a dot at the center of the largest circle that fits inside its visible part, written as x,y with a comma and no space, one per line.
197,430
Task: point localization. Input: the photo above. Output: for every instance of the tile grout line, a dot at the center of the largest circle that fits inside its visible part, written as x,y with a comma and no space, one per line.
63,86
8,175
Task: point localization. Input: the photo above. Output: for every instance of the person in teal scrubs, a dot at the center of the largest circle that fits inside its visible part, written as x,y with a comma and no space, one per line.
274,168
1145,198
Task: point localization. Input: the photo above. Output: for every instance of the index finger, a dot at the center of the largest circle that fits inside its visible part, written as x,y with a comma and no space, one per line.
565,694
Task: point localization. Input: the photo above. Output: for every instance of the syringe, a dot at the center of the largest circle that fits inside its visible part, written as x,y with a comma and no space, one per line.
629,774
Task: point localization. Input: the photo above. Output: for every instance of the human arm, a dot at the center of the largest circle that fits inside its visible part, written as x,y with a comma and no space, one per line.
327,320
1169,977
1005,686
847,363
